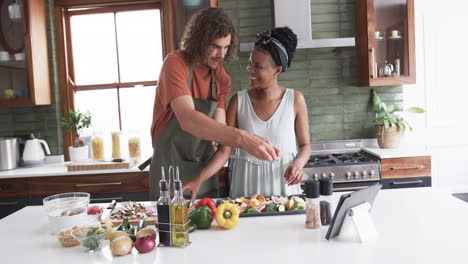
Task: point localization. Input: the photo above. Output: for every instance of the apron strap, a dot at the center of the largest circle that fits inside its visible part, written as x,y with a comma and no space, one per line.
212,83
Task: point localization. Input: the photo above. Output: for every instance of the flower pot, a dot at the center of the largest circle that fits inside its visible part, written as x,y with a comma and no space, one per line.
391,136
79,153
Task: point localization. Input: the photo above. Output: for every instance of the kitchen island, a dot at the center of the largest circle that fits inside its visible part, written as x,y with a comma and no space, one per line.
420,225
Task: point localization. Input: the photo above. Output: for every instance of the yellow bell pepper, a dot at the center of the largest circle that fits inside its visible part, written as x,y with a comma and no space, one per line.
227,215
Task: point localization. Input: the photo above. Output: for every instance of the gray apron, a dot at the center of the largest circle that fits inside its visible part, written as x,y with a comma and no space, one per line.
178,148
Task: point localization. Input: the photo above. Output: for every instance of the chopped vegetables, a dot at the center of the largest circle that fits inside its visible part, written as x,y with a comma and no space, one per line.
259,203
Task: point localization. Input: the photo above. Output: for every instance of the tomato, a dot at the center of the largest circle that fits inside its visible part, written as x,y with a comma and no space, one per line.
95,210
208,202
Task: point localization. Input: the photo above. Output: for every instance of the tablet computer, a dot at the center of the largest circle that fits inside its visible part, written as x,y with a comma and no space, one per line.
348,201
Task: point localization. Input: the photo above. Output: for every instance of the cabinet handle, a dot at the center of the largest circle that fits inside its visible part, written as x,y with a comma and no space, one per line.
97,184
345,189
407,182
418,167
8,203
106,199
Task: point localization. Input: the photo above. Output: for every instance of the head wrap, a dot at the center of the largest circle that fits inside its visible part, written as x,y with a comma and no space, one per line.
277,50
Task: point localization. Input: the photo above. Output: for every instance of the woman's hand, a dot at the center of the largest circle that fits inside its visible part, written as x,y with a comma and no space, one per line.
193,186
293,175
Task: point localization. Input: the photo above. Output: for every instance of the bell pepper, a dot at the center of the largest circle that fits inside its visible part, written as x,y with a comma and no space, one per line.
201,217
208,202
227,215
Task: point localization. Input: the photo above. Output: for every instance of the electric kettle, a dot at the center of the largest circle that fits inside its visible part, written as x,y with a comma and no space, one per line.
34,151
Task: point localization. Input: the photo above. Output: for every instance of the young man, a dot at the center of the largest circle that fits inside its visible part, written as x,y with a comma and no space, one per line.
189,108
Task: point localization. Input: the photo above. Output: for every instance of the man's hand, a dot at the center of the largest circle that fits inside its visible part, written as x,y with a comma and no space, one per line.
260,148
193,186
293,175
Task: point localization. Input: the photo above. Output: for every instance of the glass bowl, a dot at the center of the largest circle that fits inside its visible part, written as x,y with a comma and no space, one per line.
65,238
66,210
91,236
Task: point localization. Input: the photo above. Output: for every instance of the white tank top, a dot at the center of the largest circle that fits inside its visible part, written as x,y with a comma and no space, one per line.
279,129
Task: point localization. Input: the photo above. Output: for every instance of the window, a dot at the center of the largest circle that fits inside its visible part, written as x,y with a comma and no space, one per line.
115,59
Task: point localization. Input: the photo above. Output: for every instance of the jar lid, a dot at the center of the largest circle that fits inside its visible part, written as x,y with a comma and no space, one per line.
312,189
326,186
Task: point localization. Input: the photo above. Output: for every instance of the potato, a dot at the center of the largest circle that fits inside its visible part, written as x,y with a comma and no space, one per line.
147,231
121,246
117,234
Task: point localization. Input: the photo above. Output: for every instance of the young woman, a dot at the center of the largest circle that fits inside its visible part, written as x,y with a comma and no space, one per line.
271,111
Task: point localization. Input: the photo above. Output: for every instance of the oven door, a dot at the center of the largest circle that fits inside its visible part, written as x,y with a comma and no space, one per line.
352,186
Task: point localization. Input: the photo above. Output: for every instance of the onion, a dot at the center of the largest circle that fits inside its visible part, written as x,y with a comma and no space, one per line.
145,244
275,200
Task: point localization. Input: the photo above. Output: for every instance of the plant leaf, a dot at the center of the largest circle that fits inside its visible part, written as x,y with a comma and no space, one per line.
415,110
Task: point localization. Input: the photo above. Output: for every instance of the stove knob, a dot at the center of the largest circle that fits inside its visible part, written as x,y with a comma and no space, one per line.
316,177
356,174
323,175
364,174
331,175
371,173
348,175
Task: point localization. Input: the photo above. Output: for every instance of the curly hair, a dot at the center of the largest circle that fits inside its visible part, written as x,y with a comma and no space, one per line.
285,36
205,26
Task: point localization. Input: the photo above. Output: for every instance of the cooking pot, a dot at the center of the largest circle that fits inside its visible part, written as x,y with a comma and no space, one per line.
9,153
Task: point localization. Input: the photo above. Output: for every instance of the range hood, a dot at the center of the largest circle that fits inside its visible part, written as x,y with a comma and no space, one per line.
296,15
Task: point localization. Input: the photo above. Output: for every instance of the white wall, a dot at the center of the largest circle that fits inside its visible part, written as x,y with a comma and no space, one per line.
441,88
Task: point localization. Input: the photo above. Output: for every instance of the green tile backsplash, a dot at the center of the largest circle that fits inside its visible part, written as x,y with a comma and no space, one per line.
337,108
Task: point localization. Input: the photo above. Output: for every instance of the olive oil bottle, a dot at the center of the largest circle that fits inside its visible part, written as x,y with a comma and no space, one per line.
179,216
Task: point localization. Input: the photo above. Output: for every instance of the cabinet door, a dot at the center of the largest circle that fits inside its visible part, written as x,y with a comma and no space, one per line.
406,167
93,184
9,206
13,188
406,183
24,65
385,42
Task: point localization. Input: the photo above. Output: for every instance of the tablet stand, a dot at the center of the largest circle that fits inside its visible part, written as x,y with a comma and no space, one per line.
358,224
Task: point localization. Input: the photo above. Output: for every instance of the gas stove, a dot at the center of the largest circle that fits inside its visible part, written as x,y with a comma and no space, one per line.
345,162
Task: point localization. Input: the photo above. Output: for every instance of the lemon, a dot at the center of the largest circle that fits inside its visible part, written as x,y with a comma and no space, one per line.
108,236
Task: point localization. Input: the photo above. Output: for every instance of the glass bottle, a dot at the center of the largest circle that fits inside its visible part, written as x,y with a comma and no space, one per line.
116,150
312,192
179,215
97,143
326,206
163,204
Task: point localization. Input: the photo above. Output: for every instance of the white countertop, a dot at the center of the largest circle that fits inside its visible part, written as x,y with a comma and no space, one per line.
56,169
422,225
405,150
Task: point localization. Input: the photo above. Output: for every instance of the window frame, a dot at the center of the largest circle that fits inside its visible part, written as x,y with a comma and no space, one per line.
64,9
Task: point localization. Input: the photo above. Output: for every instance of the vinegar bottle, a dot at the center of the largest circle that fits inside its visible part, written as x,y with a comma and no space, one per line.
179,215
163,204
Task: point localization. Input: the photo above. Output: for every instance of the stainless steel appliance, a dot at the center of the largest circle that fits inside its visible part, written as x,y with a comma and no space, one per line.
350,167
9,153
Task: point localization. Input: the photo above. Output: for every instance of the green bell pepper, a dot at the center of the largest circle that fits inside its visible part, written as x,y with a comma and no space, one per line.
201,217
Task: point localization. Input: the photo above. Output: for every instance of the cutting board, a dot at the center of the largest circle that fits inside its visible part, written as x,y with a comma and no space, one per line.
100,165
150,220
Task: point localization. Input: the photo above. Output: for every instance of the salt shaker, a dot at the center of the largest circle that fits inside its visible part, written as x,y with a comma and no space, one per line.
312,192
326,206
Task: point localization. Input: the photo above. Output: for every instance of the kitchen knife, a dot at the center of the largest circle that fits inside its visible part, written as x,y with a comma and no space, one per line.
107,212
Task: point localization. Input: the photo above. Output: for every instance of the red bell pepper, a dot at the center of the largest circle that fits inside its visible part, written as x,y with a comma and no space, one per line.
208,202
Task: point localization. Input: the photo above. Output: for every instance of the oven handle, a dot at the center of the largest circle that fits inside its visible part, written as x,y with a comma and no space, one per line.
345,189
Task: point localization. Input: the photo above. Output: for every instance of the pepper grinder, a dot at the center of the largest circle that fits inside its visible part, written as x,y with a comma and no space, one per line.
312,192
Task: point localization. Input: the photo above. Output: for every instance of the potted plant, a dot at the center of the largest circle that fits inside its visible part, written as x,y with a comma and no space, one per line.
74,123
390,126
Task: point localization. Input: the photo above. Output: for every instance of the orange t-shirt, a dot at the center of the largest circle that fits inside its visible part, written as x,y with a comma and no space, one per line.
173,82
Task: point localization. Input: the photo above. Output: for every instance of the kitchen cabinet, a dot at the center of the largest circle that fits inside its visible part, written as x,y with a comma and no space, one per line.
385,42
24,65
406,172
17,193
